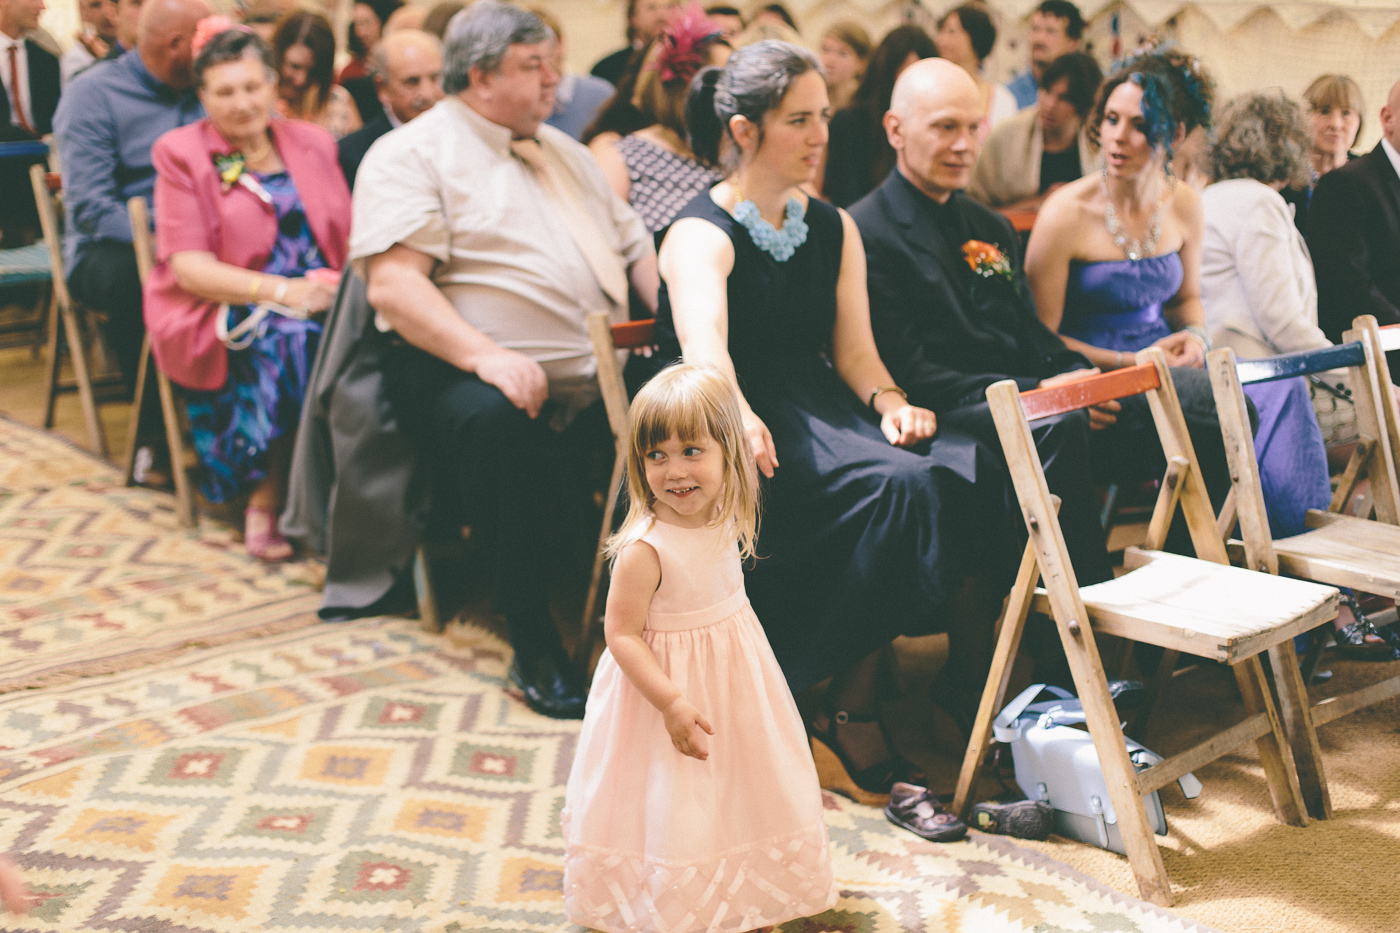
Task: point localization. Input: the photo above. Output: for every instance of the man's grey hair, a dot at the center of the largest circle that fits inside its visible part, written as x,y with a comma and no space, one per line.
479,36
1262,136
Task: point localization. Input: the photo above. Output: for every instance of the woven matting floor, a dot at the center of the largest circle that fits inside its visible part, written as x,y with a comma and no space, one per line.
96,577
168,772
367,776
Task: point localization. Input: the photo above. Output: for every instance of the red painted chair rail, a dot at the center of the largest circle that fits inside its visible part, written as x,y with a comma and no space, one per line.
1091,390
632,334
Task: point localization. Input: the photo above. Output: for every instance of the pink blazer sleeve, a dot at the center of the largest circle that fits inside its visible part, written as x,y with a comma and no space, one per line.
180,325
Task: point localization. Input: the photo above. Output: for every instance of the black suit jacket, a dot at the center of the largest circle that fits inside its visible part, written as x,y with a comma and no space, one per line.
43,88
1354,238
354,146
944,334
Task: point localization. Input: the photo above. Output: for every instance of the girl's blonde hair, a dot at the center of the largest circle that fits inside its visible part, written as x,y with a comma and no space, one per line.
690,402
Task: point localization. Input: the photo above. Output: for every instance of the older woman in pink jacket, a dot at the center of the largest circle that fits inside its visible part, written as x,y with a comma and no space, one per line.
252,221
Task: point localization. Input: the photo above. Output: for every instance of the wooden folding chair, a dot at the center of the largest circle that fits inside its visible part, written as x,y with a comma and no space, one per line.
65,330
141,241
1201,606
1338,550
608,339
25,265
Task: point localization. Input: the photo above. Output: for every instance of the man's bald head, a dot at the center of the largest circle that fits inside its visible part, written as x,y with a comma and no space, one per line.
164,35
1390,116
932,125
930,83
407,68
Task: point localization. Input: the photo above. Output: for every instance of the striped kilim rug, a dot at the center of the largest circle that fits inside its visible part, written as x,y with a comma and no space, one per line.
96,577
368,776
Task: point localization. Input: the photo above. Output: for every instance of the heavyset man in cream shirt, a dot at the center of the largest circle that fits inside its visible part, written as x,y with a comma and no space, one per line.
472,262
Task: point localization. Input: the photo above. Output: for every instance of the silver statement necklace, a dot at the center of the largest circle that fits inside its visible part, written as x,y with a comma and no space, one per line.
1135,249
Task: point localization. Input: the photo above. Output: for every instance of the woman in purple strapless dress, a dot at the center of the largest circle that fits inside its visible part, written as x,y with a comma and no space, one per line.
1114,265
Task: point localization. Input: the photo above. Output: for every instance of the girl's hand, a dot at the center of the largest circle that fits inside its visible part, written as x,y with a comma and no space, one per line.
765,455
687,728
906,425
313,294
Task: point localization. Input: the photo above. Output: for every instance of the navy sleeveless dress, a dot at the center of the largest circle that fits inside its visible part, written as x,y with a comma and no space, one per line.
861,541
1117,305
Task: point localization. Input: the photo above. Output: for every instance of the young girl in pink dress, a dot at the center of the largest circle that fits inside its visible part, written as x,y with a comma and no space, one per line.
693,803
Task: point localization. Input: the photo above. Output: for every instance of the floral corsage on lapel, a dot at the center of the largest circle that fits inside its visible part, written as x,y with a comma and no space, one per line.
232,169
987,261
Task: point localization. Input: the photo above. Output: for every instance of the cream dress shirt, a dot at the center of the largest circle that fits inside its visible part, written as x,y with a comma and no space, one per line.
446,184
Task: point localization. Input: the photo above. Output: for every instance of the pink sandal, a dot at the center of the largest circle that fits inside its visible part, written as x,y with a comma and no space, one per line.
261,537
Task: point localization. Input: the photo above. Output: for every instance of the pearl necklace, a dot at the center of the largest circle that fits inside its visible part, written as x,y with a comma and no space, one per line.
1135,249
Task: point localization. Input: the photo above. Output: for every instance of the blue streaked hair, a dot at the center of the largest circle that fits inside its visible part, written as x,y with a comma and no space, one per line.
1158,124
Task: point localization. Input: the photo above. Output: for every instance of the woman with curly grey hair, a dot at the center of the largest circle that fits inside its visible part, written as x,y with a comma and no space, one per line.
1257,281
1260,297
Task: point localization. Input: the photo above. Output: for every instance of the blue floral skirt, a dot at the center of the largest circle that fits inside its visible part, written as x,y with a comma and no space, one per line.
234,426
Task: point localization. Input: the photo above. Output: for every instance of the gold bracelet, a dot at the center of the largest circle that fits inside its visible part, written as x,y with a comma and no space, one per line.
881,390
253,288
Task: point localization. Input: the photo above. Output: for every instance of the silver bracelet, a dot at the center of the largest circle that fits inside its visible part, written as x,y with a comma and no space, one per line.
1200,334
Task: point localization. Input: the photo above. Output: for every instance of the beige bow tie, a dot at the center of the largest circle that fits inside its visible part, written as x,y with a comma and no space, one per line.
607,266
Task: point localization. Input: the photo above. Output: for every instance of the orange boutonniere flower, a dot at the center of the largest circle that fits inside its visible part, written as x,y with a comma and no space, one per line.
987,261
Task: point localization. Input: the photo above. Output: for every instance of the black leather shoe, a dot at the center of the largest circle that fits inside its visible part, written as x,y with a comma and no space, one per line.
550,685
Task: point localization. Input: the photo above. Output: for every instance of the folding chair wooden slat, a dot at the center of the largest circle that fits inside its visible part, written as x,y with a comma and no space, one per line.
608,339
185,510
1337,550
1202,606
64,329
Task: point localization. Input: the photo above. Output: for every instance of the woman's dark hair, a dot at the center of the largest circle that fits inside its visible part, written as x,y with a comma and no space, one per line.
864,118
1176,91
885,64
313,31
620,115
703,130
978,25
231,45
753,82
383,9
1083,75
780,11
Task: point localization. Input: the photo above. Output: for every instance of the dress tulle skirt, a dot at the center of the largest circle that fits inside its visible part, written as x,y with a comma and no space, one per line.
658,841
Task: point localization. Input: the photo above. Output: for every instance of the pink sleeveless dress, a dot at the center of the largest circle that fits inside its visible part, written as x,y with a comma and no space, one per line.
658,841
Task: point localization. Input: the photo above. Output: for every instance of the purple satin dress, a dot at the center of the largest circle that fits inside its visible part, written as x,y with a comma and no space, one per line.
1117,305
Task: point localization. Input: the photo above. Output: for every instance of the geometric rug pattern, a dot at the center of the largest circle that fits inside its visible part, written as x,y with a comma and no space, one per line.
369,776
97,577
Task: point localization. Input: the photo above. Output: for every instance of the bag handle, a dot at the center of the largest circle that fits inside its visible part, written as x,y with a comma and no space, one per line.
1003,727
245,332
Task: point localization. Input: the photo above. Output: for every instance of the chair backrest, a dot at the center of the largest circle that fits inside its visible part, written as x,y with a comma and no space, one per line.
1373,458
45,187
607,339
1183,484
141,239
1384,340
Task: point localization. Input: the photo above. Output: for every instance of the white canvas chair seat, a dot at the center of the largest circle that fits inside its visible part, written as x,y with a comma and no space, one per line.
1209,610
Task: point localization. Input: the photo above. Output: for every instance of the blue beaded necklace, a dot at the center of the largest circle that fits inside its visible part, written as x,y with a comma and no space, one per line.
780,244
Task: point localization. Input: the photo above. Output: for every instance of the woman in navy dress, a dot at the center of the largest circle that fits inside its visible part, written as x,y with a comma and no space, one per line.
872,523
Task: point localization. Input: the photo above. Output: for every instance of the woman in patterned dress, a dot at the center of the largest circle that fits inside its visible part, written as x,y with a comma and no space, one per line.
253,217
654,168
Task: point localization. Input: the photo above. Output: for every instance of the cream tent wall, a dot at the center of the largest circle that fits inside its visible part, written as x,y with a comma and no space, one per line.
1247,45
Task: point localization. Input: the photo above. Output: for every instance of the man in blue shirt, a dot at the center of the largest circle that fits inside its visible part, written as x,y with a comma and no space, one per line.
1056,27
106,123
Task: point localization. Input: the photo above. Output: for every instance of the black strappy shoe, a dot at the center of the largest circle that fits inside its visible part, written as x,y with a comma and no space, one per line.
869,786
1351,639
